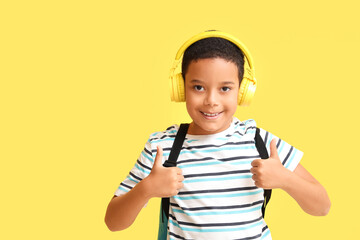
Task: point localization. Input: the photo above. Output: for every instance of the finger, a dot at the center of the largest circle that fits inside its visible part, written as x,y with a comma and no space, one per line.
158,157
179,171
181,178
256,162
273,149
254,177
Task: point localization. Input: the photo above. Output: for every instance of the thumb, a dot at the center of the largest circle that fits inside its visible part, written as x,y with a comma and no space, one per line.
273,149
158,157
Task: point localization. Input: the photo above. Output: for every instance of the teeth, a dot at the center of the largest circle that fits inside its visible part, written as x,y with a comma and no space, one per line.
211,115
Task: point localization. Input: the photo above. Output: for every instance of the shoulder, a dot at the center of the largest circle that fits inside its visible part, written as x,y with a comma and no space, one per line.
250,127
249,124
163,136
245,127
164,139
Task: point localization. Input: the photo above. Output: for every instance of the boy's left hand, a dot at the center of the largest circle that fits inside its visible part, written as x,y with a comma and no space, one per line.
269,173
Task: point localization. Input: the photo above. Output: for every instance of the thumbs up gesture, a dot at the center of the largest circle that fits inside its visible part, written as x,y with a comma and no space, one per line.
164,181
269,173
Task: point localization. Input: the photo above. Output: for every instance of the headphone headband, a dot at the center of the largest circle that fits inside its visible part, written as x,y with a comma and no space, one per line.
215,33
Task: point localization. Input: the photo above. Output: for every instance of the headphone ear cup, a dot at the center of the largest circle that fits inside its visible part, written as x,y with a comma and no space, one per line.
180,87
172,86
177,89
246,92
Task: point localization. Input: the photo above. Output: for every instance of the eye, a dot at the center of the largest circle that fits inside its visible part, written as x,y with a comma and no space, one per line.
198,88
225,89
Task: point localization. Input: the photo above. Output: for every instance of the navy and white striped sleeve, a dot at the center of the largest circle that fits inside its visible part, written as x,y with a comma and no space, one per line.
289,155
141,169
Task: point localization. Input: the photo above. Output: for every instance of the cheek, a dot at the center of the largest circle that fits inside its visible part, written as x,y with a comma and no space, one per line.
236,95
191,99
191,105
232,101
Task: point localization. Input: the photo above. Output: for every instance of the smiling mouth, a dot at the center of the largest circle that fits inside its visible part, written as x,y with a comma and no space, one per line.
210,115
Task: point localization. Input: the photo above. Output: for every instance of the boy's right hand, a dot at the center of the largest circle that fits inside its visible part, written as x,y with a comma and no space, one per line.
164,181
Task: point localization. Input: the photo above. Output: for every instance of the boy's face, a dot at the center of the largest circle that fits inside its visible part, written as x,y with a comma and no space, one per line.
211,92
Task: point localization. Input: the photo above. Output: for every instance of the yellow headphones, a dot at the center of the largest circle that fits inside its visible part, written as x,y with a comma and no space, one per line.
248,83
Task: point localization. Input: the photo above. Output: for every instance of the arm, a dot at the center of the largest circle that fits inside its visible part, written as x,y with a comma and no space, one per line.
123,210
307,191
300,184
161,182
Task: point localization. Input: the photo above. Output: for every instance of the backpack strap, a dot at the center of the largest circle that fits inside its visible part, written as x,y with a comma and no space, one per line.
176,147
171,162
261,148
174,154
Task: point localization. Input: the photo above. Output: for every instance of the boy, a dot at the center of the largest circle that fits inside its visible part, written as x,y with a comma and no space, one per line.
216,190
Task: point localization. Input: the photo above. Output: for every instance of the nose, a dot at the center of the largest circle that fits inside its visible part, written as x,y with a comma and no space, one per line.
211,98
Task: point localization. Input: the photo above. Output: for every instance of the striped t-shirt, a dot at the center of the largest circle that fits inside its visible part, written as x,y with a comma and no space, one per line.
219,199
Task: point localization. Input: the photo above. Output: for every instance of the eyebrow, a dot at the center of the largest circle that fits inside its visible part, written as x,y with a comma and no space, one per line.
225,82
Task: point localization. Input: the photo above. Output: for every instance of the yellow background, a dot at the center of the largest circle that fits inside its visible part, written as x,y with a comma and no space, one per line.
84,83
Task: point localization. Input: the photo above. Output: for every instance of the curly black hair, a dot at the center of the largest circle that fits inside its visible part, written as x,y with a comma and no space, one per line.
214,47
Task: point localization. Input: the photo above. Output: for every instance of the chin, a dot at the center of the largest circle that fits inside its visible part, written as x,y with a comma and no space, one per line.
207,126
